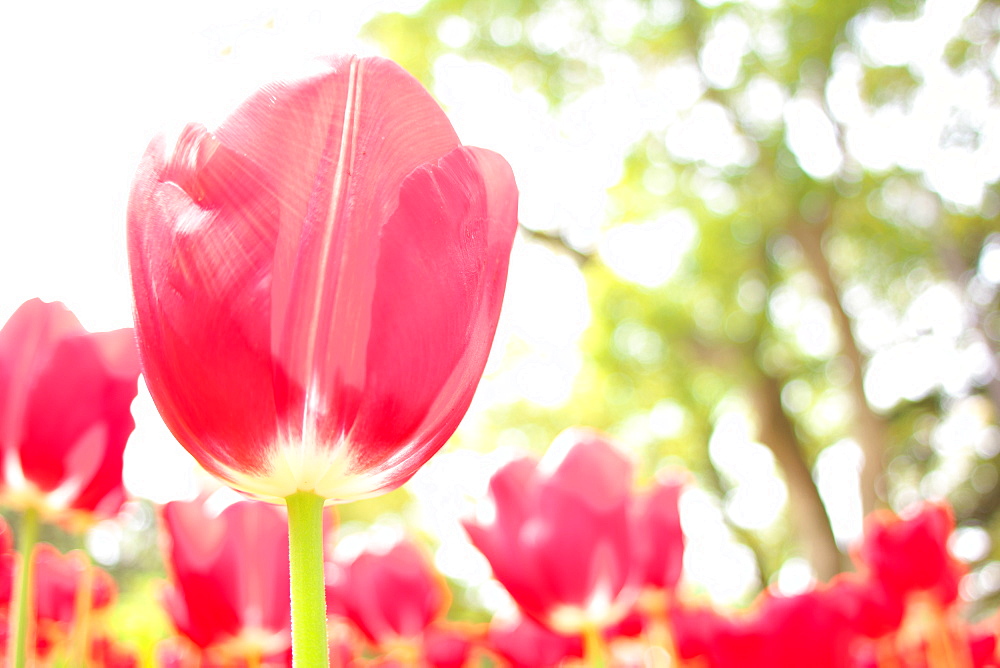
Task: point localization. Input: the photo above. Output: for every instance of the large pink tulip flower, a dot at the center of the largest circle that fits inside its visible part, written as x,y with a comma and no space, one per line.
317,283
318,280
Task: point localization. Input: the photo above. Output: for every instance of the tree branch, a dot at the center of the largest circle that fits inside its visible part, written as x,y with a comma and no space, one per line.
558,243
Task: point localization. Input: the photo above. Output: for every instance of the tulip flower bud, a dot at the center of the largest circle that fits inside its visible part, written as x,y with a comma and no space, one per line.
317,281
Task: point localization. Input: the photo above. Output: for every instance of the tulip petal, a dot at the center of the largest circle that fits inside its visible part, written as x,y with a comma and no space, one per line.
583,555
229,573
527,644
201,236
514,491
26,343
199,603
659,541
360,129
584,459
439,286
389,595
83,448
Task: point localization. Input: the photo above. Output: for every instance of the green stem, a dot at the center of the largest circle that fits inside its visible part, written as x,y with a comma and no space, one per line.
305,554
25,589
594,648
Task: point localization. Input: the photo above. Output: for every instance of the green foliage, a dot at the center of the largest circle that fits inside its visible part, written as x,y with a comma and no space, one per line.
886,85
733,316
959,52
137,621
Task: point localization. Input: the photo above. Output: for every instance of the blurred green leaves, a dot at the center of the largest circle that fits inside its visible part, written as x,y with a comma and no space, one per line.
803,233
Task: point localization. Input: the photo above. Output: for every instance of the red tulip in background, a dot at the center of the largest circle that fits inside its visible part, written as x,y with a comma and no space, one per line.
228,592
64,413
59,579
659,539
526,644
896,611
562,537
69,599
392,597
317,282
890,542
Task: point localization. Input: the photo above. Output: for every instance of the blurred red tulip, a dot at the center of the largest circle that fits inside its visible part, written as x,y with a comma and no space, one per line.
392,597
706,636
777,631
896,611
317,283
57,594
800,630
229,590
909,554
868,608
58,578
659,540
105,652
527,644
64,413
983,647
447,646
8,562
561,541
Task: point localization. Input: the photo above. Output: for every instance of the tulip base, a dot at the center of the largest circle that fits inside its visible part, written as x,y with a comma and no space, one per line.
305,554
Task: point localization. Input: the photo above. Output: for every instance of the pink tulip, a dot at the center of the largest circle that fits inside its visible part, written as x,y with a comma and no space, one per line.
778,631
105,652
58,578
659,540
894,611
526,644
64,413
392,597
228,590
705,636
317,282
562,536
448,645
58,581
910,554
57,594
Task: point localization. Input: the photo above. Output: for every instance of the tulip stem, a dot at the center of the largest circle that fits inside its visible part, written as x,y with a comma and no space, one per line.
594,648
25,588
305,554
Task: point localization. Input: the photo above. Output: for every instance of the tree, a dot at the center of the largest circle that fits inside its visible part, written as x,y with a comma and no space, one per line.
823,205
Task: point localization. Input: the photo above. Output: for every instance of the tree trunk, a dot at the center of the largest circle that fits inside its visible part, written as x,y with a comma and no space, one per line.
808,513
870,429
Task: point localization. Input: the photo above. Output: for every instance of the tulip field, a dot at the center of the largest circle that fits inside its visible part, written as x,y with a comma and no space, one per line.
594,564
455,334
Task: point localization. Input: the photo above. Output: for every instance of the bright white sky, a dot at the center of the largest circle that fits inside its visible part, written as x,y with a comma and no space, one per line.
87,86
